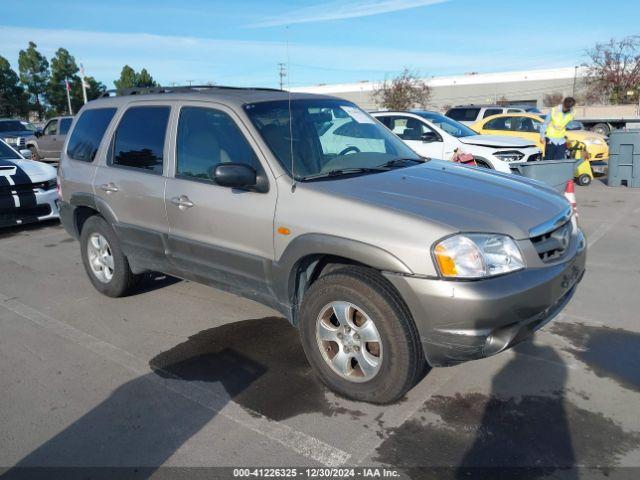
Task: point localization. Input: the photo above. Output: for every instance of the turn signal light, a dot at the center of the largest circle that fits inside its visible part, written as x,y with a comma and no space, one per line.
445,262
284,231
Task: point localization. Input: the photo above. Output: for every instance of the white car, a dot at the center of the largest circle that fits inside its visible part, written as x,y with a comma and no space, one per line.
28,190
433,135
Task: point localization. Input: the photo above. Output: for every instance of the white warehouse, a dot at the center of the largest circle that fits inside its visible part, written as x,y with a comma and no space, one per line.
523,88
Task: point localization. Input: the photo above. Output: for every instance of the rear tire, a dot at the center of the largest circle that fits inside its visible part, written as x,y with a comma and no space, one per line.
393,361
104,262
602,129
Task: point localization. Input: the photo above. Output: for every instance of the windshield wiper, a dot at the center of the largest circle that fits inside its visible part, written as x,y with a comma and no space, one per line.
400,162
338,172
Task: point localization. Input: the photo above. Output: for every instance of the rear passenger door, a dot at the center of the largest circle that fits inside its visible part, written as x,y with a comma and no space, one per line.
131,181
218,235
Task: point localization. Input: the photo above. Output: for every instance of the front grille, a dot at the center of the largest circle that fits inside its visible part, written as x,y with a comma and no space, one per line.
14,216
21,141
552,245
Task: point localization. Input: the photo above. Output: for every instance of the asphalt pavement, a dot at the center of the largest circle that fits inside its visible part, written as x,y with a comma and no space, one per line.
183,375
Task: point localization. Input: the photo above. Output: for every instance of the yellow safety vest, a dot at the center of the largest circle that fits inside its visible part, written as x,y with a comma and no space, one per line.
557,127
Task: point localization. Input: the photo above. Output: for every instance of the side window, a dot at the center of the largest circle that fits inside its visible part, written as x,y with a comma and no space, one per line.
491,111
65,124
464,114
408,128
51,128
206,138
502,123
87,134
514,110
525,124
139,140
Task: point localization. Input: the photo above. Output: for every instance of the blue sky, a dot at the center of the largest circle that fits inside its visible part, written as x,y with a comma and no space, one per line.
241,42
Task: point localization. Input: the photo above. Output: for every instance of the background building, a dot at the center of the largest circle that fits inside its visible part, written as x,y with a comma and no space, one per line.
522,88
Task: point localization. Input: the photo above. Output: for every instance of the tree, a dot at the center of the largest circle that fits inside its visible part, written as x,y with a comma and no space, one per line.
613,70
403,92
129,78
13,99
64,68
552,99
34,74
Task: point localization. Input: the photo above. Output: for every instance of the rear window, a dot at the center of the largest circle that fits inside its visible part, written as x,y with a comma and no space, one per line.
139,139
464,114
491,111
65,124
87,134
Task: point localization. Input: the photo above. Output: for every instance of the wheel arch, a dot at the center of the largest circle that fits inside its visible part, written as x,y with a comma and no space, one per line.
86,205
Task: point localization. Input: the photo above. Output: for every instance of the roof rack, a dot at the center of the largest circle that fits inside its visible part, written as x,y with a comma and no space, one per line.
177,89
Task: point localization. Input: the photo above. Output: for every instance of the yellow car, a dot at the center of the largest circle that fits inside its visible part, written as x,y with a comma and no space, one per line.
527,125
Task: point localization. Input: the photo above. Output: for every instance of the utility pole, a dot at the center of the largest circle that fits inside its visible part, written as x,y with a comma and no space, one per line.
575,75
282,73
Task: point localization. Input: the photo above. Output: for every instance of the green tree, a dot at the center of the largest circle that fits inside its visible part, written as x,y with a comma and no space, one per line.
13,99
64,67
34,74
129,78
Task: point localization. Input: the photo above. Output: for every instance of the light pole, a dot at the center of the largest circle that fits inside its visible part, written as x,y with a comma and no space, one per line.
575,76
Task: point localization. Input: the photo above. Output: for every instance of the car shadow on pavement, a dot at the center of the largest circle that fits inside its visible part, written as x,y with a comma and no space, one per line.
154,281
26,229
526,427
257,363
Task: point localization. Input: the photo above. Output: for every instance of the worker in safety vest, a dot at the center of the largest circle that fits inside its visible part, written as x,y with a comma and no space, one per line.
554,130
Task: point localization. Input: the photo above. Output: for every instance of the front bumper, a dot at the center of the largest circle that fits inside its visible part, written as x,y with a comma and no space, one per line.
45,208
459,321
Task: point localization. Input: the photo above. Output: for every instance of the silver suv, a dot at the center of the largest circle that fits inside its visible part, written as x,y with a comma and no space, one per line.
385,261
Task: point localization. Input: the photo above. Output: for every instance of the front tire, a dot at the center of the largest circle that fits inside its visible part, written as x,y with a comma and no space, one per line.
104,262
584,180
34,153
359,336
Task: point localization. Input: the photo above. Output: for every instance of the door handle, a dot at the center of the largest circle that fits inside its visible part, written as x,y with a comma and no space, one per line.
182,202
109,187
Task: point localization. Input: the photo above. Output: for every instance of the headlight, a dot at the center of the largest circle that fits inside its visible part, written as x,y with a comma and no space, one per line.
510,156
594,141
11,140
476,255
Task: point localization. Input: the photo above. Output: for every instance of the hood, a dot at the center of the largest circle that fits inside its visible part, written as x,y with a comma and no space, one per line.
22,171
460,198
496,141
17,133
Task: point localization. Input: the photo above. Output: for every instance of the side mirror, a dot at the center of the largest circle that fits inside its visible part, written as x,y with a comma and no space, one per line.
26,153
37,133
429,137
238,175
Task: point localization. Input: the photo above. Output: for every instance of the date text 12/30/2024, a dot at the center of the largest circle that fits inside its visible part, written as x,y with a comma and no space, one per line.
362,472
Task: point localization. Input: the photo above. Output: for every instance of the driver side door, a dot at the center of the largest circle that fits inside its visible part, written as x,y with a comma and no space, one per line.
48,140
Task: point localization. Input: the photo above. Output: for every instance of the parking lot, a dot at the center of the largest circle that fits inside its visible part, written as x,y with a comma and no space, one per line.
183,375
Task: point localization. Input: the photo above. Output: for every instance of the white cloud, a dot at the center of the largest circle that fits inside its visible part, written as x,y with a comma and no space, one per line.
342,9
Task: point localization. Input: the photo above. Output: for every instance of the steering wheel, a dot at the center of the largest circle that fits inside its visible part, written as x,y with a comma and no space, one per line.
349,149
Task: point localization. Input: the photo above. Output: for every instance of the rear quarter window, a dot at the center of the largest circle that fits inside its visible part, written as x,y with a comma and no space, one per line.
88,132
464,114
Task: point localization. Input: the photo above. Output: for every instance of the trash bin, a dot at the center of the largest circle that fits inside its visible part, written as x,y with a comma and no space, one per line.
552,172
624,159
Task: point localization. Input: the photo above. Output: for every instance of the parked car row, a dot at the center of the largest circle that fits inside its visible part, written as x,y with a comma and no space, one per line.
385,260
45,144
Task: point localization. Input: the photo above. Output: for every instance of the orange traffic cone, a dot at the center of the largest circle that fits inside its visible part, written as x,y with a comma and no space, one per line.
570,195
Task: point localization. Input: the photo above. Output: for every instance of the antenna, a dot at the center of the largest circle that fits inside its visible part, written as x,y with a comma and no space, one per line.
293,163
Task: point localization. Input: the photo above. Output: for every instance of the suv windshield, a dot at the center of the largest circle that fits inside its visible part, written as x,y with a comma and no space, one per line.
327,136
11,126
7,153
450,126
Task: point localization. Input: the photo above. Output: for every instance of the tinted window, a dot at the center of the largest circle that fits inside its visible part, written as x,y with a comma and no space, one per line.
51,128
464,114
87,134
501,123
525,124
7,153
514,110
139,139
206,138
65,124
408,128
491,111
11,126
